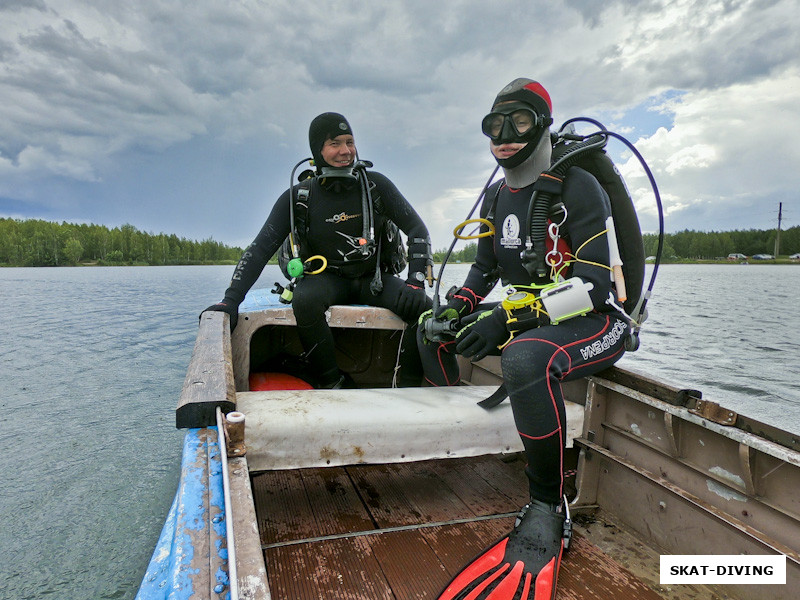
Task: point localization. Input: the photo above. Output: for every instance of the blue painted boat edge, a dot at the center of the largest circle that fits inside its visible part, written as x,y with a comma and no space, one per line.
197,514
259,300
263,298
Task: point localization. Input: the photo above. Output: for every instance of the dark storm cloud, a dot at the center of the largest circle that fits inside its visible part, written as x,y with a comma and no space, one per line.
205,103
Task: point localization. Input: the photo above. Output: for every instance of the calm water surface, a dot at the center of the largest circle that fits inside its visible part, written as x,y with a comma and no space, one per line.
92,361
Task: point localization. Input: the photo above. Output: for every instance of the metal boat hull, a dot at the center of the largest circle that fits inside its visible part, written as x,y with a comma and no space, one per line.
343,493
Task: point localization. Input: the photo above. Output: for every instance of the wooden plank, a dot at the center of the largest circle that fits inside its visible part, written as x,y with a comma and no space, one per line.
342,569
384,498
506,476
209,378
414,564
587,573
482,497
410,566
458,545
337,506
282,507
406,494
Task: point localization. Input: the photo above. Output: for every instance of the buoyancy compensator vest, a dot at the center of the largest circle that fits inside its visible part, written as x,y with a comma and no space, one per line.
388,240
588,154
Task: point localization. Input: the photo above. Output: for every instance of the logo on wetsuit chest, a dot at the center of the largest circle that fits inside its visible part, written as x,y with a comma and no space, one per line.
341,218
510,237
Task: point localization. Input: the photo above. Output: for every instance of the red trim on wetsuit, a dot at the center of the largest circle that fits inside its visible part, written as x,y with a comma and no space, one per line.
563,348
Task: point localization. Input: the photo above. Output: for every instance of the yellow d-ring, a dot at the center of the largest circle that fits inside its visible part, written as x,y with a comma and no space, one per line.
489,224
322,268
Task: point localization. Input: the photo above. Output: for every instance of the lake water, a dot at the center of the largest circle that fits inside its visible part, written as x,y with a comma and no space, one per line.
92,361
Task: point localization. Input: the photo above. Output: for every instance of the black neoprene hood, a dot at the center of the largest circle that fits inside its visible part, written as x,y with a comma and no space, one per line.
326,126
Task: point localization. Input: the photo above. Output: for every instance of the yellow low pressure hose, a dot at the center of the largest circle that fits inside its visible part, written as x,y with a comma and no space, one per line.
320,258
489,224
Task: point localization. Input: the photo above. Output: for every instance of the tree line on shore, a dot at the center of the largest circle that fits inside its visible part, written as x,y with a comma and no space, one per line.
690,245
37,243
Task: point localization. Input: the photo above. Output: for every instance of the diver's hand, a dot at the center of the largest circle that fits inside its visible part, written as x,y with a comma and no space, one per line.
482,333
227,306
463,300
445,313
411,302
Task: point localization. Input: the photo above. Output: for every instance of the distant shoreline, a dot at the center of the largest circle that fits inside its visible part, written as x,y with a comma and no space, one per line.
721,261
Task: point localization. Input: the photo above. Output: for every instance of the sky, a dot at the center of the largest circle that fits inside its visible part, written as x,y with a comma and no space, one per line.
187,117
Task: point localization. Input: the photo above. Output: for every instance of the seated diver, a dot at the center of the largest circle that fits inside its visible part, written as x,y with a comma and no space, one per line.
334,224
539,349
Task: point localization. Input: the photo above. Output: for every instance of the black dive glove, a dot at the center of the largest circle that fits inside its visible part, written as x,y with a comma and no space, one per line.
462,300
411,302
483,332
227,306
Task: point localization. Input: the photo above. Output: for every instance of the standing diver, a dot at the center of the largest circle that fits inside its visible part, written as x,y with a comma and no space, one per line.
334,229
560,323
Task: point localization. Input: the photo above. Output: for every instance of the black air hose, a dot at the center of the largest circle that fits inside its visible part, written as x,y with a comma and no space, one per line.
292,200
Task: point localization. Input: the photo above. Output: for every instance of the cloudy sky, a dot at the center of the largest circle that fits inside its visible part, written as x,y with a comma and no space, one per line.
186,117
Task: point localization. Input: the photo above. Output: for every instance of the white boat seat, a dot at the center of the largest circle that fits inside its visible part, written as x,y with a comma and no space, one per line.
317,428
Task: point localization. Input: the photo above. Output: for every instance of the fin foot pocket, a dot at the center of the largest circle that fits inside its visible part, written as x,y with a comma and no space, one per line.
521,566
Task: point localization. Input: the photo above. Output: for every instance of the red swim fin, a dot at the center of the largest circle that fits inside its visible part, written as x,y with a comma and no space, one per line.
521,566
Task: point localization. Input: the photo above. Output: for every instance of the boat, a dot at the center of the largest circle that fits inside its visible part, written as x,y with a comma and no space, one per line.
294,493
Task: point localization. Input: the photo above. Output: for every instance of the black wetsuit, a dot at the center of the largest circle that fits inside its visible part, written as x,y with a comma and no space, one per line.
536,361
335,222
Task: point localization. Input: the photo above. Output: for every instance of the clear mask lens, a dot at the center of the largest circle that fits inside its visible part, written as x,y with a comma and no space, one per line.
509,124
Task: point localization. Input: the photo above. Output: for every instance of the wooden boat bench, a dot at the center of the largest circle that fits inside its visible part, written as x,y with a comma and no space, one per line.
319,428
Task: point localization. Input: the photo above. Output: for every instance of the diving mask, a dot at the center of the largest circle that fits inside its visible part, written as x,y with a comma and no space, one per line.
514,122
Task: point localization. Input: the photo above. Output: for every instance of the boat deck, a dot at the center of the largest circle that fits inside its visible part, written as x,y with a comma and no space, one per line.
402,531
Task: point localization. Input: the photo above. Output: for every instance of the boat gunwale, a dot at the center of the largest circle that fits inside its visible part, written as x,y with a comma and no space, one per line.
210,384
753,440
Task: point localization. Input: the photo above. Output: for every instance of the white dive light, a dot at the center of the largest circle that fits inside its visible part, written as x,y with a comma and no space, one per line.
615,260
567,299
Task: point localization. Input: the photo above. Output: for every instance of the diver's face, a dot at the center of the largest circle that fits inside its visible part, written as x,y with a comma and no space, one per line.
509,127
340,151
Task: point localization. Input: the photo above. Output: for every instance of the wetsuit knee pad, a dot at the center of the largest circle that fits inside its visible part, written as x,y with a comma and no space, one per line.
532,370
526,359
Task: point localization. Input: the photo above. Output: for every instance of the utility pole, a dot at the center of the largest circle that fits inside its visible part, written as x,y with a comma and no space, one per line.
778,234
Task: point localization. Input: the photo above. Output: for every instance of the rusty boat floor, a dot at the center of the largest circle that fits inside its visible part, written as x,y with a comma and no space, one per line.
402,531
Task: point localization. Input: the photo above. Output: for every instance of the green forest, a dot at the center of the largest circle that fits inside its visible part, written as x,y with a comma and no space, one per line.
37,243
691,245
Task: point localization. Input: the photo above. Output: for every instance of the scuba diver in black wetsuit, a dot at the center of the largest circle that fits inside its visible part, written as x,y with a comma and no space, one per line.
335,230
558,326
